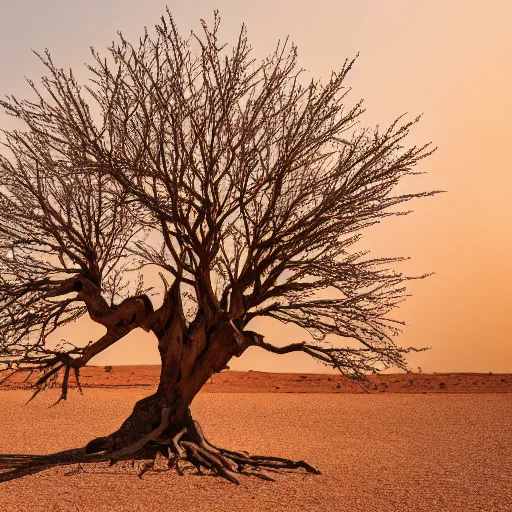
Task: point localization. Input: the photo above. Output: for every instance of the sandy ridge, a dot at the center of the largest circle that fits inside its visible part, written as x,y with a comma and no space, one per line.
262,382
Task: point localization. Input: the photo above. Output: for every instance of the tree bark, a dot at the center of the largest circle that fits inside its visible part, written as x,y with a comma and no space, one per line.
189,357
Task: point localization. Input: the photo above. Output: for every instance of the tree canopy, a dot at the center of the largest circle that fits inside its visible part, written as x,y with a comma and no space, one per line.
245,183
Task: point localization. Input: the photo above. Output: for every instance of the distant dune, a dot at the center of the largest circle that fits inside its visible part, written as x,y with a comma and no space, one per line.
262,382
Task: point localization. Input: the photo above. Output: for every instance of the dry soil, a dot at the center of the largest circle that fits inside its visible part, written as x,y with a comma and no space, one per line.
377,453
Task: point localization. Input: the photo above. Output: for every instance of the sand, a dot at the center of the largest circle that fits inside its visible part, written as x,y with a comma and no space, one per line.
378,453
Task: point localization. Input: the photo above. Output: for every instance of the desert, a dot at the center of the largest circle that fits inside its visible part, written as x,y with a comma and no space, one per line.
255,256
229,381
447,449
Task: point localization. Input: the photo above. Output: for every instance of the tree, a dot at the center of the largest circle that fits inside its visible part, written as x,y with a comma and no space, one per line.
244,184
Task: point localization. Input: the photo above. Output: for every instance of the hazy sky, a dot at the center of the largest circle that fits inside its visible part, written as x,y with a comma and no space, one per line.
448,59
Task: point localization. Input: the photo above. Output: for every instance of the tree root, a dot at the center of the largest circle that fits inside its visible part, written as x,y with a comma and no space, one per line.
188,449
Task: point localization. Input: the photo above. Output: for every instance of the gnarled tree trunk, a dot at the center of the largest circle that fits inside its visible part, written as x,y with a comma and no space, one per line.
189,357
163,421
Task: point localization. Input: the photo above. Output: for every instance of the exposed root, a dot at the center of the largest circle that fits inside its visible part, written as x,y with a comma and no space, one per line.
187,449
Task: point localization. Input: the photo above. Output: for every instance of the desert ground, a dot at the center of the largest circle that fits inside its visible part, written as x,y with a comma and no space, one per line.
262,382
434,448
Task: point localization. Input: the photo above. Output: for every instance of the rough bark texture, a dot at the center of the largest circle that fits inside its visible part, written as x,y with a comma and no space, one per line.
189,358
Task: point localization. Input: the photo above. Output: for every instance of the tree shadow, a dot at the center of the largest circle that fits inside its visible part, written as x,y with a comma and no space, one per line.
14,466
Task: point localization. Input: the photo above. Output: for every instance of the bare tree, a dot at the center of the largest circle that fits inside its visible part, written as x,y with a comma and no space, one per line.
256,185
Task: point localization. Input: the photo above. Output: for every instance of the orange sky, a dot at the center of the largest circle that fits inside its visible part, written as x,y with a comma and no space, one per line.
450,60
